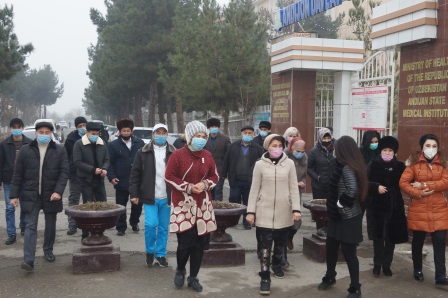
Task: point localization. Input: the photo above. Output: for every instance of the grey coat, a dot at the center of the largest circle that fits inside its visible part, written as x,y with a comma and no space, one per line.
84,160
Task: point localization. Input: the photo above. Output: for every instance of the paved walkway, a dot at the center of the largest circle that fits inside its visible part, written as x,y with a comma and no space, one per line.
136,280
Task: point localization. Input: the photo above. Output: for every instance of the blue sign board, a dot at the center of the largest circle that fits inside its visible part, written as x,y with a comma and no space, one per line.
303,9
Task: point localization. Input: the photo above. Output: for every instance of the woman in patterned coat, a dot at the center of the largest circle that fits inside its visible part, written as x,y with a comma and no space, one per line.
191,174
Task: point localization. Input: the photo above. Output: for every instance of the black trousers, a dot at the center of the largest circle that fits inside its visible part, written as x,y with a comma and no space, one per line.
290,236
383,252
438,246
265,239
349,251
122,198
93,191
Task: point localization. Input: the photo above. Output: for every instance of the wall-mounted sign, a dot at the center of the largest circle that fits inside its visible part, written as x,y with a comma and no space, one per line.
301,10
370,108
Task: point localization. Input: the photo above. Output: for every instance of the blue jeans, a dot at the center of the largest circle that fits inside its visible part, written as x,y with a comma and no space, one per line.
239,193
10,213
157,219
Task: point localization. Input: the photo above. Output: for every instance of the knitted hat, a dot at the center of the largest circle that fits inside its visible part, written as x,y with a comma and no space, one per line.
213,122
193,128
79,120
388,142
44,124
322,132
297,144
125,123
93,126
265,124
16,121
268,140
428,136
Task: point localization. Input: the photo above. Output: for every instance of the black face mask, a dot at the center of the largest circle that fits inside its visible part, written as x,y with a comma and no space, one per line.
126,138
326,144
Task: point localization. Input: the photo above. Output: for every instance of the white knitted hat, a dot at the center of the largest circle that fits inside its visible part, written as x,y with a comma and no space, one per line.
193,128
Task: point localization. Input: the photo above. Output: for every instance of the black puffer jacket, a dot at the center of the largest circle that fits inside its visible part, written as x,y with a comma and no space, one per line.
55,174
367,153
387,207
69,143
85,160
142,183
321,163
8,158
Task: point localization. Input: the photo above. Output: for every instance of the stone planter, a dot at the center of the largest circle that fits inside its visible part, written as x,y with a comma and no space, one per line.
97,254
318,209
223,251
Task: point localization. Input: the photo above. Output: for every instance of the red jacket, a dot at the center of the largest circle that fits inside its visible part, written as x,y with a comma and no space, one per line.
186,168
428,213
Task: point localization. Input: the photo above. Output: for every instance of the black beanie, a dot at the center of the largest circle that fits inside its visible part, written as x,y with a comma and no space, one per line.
428,136
213,122
388,142
265,124
79,120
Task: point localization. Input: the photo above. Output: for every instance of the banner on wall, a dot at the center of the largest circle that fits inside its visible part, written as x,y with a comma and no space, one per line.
370,107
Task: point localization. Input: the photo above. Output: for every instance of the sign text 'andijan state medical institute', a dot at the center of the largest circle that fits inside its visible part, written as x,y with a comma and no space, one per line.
303,9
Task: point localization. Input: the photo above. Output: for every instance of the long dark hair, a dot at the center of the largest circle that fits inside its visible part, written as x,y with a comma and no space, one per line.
347,153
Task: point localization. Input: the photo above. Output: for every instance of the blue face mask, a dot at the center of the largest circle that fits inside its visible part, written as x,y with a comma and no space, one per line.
373,146
43,139
198,143
16,132
298,155
214,130
263,134
82,131
93,138
247,139
159,140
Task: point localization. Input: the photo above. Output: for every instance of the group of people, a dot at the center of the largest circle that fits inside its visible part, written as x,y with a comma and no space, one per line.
175,185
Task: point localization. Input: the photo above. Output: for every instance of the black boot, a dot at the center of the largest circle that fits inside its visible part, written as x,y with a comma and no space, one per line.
265,283
327,282
179,278
354,292
193,282
376,270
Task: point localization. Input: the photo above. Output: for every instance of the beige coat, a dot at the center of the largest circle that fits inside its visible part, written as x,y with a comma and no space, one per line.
274,193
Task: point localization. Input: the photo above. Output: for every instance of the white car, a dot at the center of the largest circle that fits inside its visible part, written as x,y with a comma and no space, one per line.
112,130
144,133
63,124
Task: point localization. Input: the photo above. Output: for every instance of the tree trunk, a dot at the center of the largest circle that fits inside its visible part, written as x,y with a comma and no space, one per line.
226,122
152,105
160,103
138,110
180,115
169,116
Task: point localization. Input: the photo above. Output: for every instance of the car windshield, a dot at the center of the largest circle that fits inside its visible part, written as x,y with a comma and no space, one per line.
142,133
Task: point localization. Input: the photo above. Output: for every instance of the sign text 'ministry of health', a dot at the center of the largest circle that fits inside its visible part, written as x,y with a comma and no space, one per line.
303,9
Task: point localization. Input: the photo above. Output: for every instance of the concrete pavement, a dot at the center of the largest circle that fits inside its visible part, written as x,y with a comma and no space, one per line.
136,280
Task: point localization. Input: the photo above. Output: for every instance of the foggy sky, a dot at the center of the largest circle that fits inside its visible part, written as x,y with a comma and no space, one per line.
61,32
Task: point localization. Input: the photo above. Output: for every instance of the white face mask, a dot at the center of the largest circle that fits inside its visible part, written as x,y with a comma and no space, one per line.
430,153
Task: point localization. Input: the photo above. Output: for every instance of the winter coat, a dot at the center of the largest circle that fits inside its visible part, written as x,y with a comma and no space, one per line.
429,213
260,141
219,151
344,189
321,163
300,165
368,154
386,218
69,143
121,159
84,159
186,168
8,157
142,181
25,181
274,194
232,157
180,142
